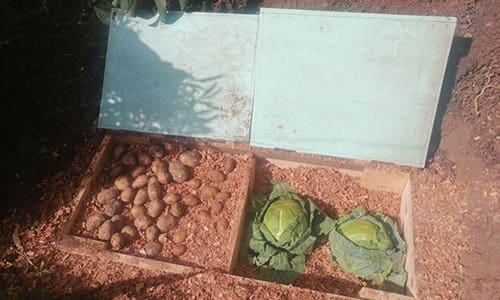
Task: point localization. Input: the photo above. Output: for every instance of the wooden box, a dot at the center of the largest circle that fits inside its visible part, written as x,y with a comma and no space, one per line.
369,178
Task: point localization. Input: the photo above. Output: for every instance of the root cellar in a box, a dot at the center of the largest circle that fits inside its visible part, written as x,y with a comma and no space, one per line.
335,194
141,206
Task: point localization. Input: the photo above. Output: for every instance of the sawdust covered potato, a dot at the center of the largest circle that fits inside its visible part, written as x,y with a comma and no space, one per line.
171,198
221,225
178,249
229,165
155,208
122,182
106,230
222,196
216,208
130,232
113,207
118,151
142,222
203,216
209,192
117,241
119,220
190,200
179,172
190,158
154,189
194,183
138,210
144,159
141,197
166,222
139,170
216,176
179,236
140,182
129,160
152,233
107,195
94,221
116,171
177,210
128,195
157,151
153,249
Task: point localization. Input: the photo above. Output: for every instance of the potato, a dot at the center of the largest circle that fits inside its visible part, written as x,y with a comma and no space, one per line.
106,230
94,221
152,233
179,172
158,165
118,241
113,207
229,165
128,195
166,222
138,210
141,197
171,198
164,177
190,158
107,195
179,236
190,200
116,171
139,170
154,189
140,182
194,183
203,216
216,208
118,151
144,159
156,151
119,221
216,176
129,160
221,225
142,222
153,248
222,196
177,210
130,232
209,192
122,182
155,208
178,249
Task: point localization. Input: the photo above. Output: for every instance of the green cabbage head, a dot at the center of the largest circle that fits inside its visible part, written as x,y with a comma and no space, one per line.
370,246
284,228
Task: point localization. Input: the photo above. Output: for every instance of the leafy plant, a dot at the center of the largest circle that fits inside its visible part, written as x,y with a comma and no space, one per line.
370,246
284,229
131,7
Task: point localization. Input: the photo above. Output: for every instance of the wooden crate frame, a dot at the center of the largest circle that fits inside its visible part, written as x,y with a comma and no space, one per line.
369,178
97,249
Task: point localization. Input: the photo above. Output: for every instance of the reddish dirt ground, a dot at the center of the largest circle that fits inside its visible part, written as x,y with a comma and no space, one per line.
52,53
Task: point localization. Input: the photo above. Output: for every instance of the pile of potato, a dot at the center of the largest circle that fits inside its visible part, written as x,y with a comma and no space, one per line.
140,189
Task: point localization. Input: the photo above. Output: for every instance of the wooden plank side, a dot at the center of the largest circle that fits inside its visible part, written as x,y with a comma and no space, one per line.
373,294
383,180
406,217
93,171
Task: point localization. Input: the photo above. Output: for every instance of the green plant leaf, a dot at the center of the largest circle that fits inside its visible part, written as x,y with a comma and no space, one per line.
124,5
102,14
